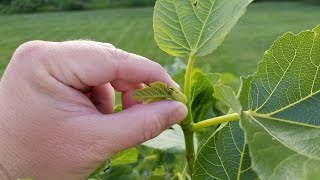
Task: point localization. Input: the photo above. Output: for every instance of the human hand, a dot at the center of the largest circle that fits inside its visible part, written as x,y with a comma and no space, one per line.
56,108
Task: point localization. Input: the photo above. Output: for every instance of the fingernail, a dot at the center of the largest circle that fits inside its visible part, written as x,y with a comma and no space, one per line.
176,85
180,112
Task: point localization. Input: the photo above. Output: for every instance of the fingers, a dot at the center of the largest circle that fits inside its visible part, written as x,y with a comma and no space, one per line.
82,64
127,100
103,98
107,45
123,86
137,124
126,90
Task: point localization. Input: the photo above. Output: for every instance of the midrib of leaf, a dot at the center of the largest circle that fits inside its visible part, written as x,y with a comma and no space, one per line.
203,25
280,141
212,33
188,48
251,113
314,79
195,49
182,29
284,73
240,163
176,34
172,39
292,104
216,30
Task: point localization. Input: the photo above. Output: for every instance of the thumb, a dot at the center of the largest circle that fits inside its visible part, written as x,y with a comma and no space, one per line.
137,124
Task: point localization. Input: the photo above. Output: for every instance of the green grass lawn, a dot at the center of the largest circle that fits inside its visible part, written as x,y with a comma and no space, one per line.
131,30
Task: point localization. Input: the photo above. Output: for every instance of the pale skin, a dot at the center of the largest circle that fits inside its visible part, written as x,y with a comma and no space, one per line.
57,100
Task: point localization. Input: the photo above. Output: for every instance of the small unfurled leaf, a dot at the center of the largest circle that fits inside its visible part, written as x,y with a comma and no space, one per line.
158,91
228,97
128,156
201,94
202,102
195,27
282,103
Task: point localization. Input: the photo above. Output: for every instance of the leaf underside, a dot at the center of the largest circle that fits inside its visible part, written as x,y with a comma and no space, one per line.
170,140
185,27
282,121
158,91
152,91
225,154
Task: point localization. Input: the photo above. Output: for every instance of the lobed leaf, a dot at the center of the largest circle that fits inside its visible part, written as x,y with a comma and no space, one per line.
282,121
225,153
185,27
224,156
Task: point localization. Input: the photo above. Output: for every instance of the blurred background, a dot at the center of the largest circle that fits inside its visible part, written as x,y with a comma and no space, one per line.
128,25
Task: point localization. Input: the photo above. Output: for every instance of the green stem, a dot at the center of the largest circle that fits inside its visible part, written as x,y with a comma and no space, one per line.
215,121
190,154
188,76
187,124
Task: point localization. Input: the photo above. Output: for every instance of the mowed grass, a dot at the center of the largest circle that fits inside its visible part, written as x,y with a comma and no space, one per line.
131,30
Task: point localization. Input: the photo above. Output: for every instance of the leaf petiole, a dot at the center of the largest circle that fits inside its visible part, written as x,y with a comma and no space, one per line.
215,121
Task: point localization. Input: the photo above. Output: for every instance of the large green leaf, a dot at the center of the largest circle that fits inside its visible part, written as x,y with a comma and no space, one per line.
170,140
225,154
184,27
282,121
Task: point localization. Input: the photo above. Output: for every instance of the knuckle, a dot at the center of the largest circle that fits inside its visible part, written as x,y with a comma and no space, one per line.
121,54
28,62
28,49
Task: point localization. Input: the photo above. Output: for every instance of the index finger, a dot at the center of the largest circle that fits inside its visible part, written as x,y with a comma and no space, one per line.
82,64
